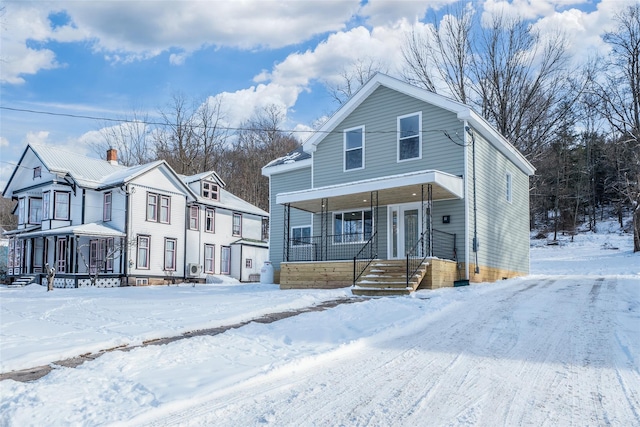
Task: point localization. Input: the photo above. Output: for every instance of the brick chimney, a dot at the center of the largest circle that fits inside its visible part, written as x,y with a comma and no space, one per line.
112,156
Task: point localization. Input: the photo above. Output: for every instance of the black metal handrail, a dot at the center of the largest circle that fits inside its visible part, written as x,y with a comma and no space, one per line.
442,245
363,259
416,256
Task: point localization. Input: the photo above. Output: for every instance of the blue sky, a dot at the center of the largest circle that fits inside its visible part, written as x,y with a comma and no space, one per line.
108,58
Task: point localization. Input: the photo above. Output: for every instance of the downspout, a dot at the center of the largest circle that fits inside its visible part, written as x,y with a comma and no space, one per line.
476,244
84,200
241,245
124,262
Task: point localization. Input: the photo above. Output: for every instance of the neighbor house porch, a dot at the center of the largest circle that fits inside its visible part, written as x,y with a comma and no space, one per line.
376,235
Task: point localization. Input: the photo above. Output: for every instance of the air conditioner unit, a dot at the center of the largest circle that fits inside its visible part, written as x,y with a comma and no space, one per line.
194,270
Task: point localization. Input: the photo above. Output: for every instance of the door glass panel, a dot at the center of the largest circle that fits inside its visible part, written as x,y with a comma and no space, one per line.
410,229
394,234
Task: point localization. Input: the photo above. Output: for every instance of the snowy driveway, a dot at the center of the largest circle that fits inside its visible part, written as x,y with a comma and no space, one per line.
544,350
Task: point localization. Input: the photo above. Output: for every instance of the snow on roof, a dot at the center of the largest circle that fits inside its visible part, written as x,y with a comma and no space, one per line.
85,170
188,179
90,229
293,156
234,203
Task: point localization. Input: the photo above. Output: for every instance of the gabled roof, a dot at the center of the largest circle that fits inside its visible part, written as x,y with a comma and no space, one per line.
232,202
463,112
203,175
88,172
295,157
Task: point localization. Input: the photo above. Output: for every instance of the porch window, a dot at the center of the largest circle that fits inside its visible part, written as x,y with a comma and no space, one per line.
61,205
237,225
96,255
210,220
352,227
209,190
35,211
508,189
410,137
106,207
170,254
45,204
193,218
38,252
143,252
110,253
301,235
165,209
209,258
354,148
152,207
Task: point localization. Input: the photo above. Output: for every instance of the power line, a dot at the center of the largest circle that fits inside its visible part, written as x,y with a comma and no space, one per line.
191,125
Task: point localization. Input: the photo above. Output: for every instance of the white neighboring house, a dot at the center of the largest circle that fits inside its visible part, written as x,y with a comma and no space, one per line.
134,225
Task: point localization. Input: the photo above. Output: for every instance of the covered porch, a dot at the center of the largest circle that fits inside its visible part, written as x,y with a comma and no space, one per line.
386,218
84,255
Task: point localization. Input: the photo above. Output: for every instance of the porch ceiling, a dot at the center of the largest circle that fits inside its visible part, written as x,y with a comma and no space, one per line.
404,188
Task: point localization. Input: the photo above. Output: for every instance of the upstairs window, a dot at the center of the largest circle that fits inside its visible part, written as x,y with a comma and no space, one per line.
45,204
210,220
354,148
237,224
193,218
210,190
152,207
35,211
21,211
37,172
106,207
61,205
165,209
410,137
265,229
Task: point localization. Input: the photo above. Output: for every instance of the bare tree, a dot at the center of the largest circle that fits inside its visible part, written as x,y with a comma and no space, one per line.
131,138
175,141
620,97
353,76
259,140
210,133
101,252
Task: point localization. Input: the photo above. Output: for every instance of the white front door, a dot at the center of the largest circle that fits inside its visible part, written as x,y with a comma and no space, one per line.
403,229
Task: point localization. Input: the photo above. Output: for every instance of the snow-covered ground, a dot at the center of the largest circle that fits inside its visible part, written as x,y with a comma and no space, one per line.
559,347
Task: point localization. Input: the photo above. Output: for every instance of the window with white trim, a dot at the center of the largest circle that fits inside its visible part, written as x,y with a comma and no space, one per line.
143,252
61,256
37,172
237,225
61,205
301,235
351,227
225,260
410,137
265,229
508,187
210,190
354,148
210,220
170,254
194,212
110,254
106,206
209,258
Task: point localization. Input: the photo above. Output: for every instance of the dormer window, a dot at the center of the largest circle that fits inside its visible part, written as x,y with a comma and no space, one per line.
37,172
209,190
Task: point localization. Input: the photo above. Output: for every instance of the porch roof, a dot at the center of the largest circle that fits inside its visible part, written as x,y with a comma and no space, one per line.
91,229
393,189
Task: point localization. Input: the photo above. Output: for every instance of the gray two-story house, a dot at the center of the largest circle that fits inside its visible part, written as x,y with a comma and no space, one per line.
400,188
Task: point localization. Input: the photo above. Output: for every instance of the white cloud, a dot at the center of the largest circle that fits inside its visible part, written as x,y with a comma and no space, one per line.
4,142
38,137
